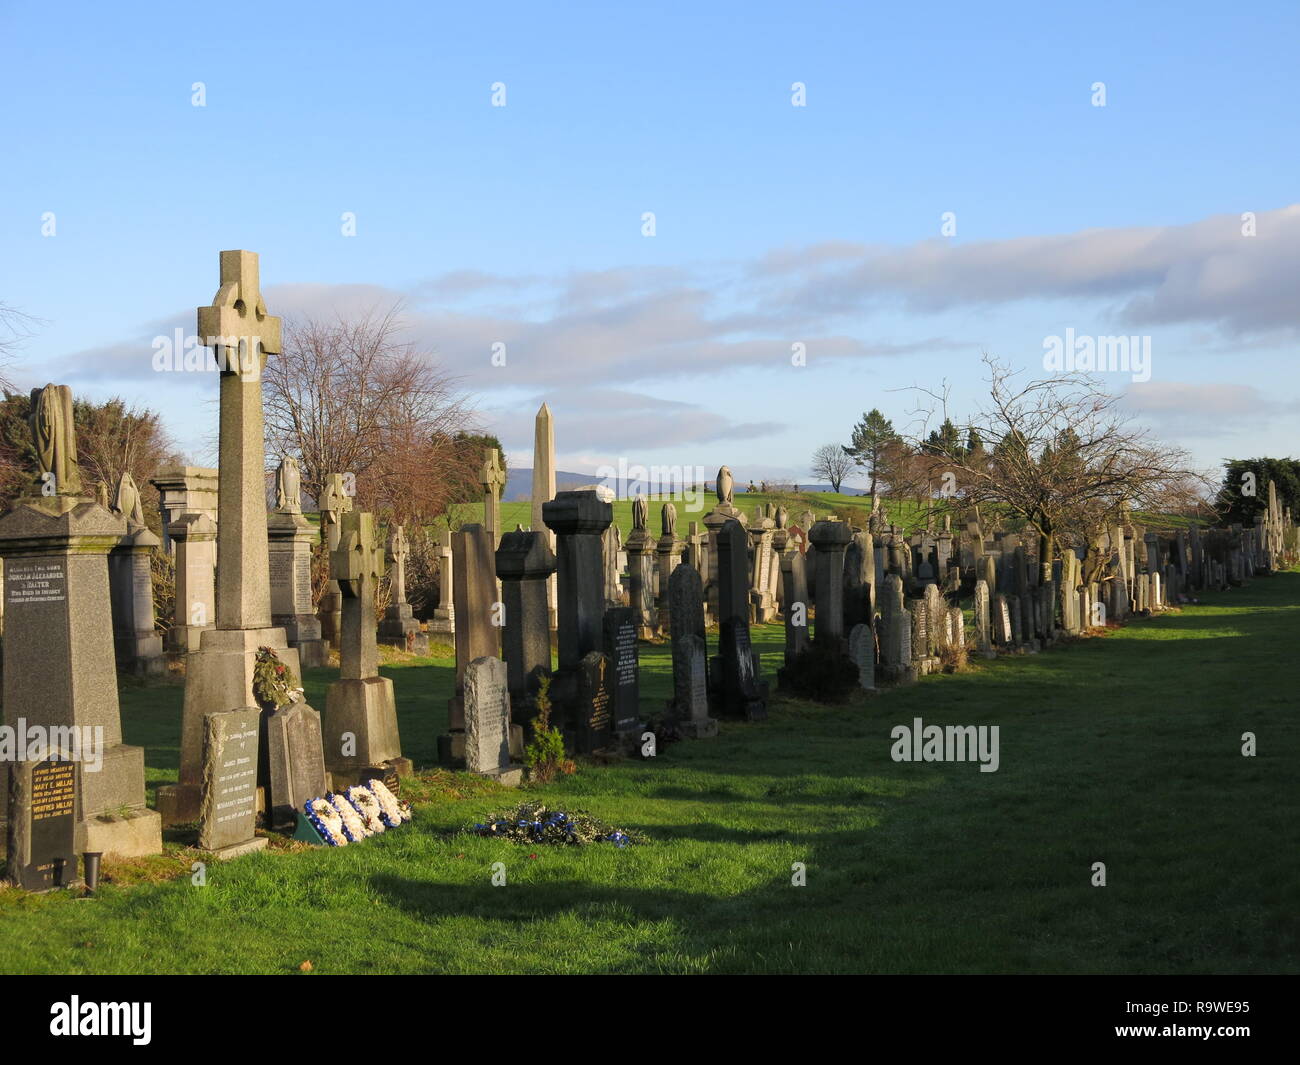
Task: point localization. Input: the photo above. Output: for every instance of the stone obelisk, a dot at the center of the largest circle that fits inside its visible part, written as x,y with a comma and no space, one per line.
544,489
220,675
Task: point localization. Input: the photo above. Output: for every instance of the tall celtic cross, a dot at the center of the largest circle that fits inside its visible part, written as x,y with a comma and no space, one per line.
398,552
357,564
242,334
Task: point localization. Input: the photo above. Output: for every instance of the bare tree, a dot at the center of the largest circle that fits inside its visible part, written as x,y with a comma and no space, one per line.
832,462
349,396
1057,453
15,327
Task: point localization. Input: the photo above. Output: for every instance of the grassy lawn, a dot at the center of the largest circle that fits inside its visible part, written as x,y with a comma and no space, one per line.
1123,749
822,504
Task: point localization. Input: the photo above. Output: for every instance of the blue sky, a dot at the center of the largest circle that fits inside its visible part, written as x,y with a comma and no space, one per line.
774,224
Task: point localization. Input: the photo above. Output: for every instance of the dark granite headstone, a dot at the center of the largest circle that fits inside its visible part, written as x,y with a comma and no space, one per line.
295,761
620,648
594,702
43,811
743,693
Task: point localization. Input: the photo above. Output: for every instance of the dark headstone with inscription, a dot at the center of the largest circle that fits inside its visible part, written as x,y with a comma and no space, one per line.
743,693
43,812
296,761
620,648
228,807
593,721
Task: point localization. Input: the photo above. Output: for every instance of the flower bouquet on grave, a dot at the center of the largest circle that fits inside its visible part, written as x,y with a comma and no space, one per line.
353,827
367,807
532,823
274,684
326,820
392,809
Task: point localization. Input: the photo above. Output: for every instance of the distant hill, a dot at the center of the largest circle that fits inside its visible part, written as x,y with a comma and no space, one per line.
519,484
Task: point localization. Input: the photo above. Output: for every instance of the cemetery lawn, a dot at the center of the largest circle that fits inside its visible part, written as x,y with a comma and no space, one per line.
1124,749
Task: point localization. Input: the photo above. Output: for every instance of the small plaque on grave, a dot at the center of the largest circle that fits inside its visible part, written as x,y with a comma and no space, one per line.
594,702
42,824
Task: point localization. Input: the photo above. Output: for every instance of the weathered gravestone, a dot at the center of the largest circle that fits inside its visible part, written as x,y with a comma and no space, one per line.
743,693
862,649
525,564
228,807
334,502
830,539
487,720
295,758
476,610
130,577
399,627
621,650
983,624
579,520
290,537
690,654
43,815
794,604
360,723
59,669
194,539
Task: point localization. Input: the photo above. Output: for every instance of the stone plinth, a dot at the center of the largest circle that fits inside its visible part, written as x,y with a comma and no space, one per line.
290,537
194,538
137,644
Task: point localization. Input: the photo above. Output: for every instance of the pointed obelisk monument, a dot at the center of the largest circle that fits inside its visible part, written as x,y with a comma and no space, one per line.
544,490
219,676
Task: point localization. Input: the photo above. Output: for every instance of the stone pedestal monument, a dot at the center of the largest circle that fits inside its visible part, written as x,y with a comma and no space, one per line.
334,503
137,642
58,648
194,537
544,488
290,537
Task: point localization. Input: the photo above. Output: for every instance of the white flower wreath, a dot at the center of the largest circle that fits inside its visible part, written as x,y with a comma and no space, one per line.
368,807
327,819
352,823
394,809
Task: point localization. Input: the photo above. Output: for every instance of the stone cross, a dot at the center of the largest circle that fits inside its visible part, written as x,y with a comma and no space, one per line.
492,479
237,326
357,566
398,552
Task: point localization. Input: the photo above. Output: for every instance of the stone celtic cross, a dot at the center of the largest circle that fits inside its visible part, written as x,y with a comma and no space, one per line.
237,317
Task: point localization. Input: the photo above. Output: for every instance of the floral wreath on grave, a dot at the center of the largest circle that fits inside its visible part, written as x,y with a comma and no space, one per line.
531,824
367,807
392,809
353,827
274,683
326,820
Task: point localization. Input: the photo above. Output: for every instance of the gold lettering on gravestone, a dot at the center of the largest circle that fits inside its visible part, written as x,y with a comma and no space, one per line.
53,790
599,701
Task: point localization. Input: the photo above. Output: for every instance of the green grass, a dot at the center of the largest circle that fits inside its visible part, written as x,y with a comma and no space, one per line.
1123,749
822,504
